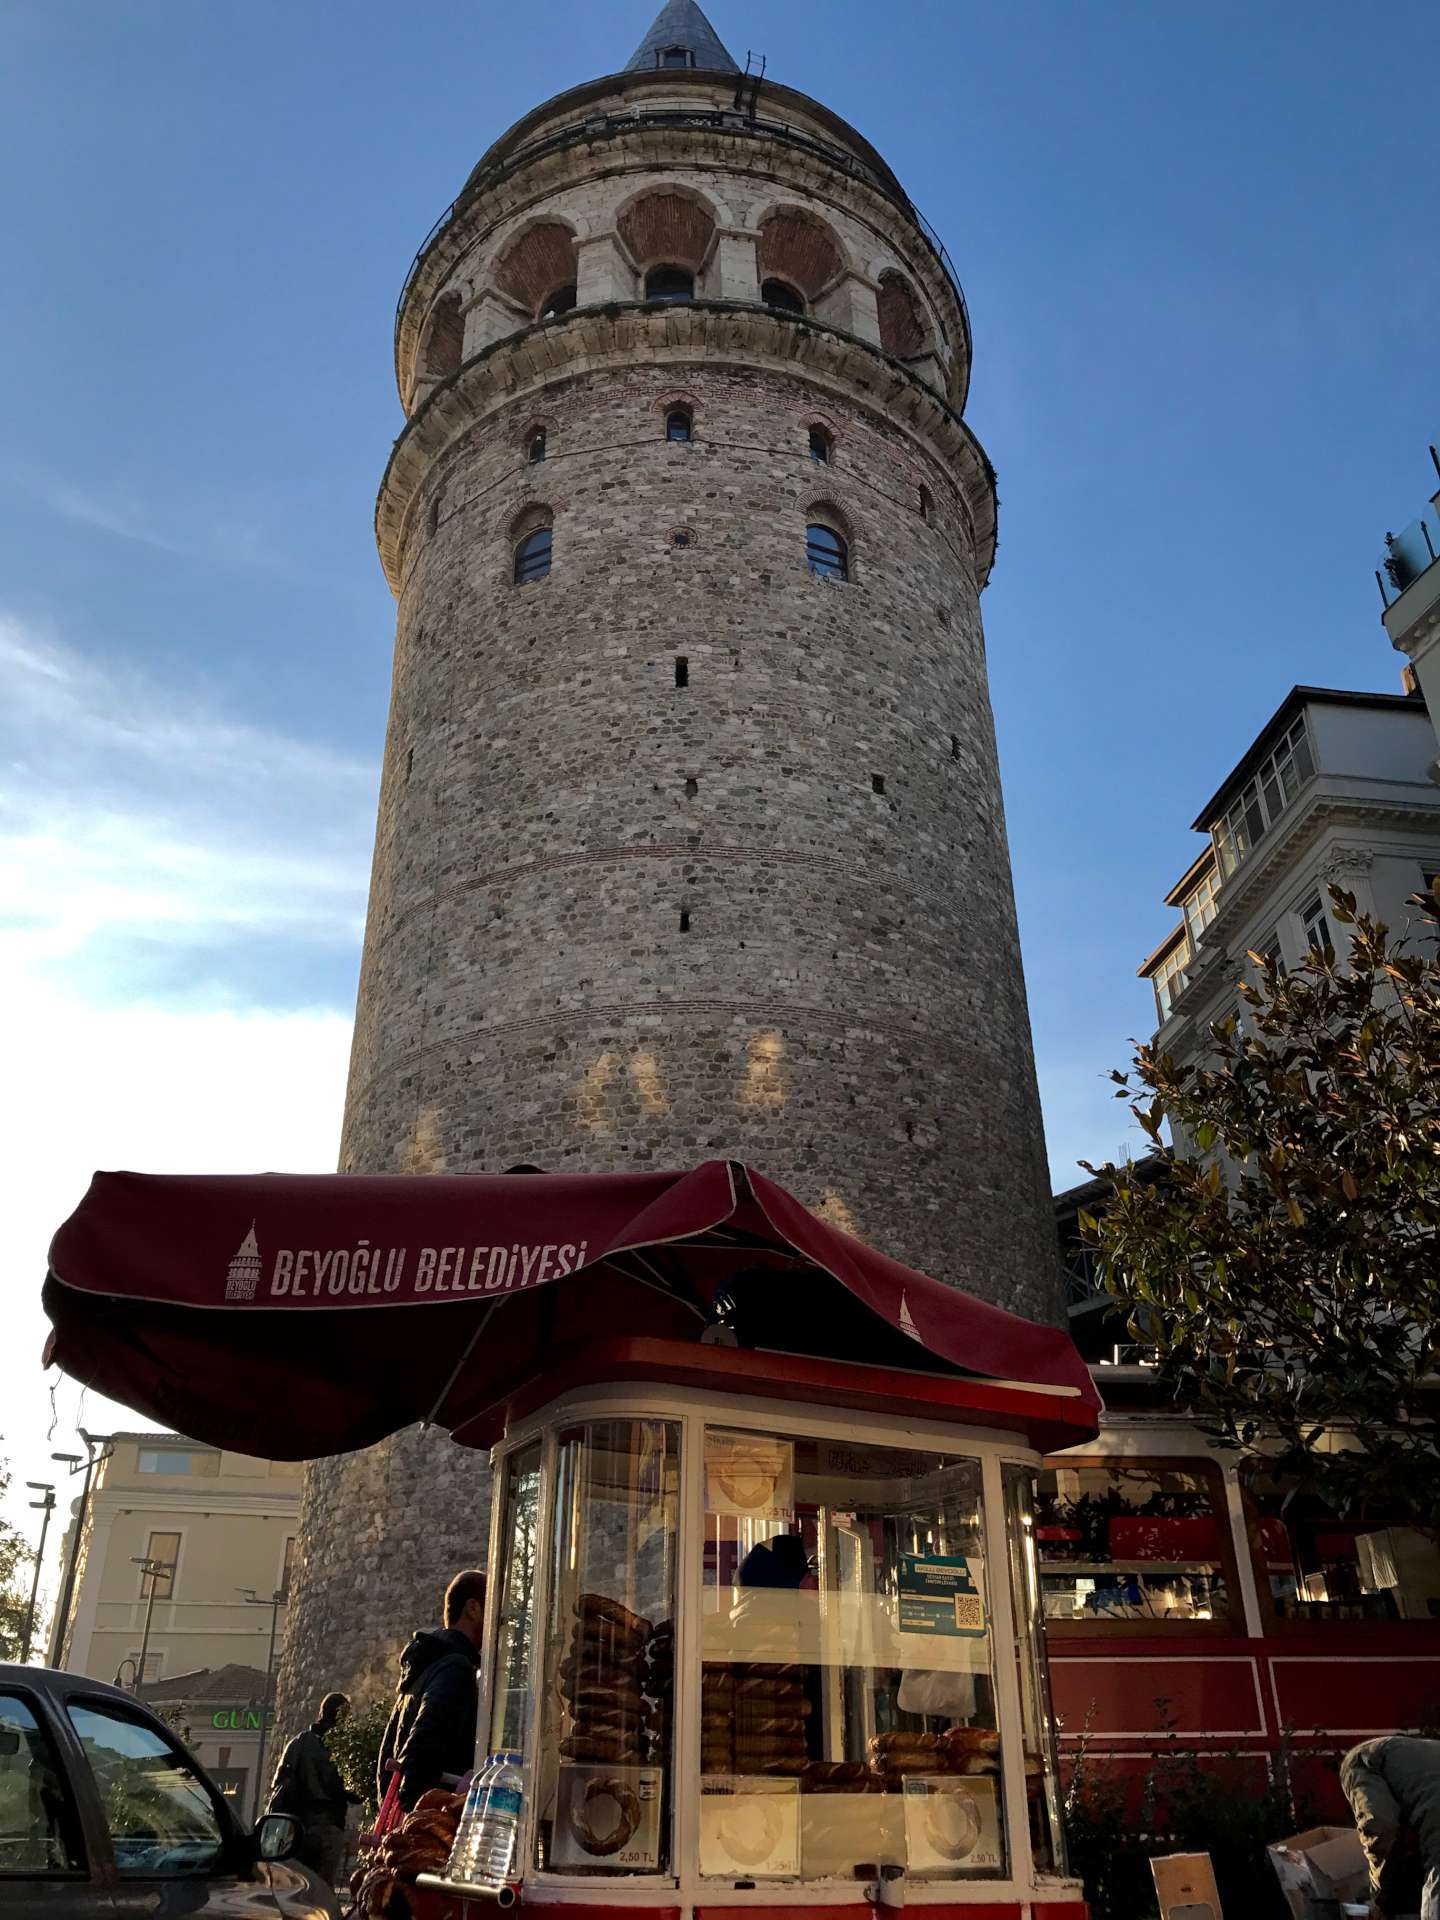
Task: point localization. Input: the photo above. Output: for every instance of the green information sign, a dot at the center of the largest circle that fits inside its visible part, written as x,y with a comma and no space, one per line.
939,1594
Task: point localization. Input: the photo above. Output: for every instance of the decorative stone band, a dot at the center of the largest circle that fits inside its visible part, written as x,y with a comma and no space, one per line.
587,339
803,173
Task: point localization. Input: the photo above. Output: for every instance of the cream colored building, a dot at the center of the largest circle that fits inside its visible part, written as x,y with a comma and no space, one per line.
215,1525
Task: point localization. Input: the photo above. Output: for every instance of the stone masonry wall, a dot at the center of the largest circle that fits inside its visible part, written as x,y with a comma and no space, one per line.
846,1009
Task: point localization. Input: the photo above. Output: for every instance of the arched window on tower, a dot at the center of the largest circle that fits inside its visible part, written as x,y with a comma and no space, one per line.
533,552
821,445
679,424
826,551
535,448
670,284
782,296
560,301
927,506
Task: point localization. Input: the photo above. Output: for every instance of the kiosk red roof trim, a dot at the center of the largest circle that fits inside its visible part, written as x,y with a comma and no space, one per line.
247,1310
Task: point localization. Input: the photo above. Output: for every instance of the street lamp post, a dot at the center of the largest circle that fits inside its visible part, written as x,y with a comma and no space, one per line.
76,1464
45,1505
150,1570
275,1602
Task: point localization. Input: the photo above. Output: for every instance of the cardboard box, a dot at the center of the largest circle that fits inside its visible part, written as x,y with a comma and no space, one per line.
1185,1887
1320,1868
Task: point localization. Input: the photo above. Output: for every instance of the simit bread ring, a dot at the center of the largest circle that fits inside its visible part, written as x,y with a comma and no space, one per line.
599,1606
586,1818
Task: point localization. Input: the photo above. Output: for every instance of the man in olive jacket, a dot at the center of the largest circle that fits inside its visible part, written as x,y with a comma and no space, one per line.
1393,1786
308,1786
431,1730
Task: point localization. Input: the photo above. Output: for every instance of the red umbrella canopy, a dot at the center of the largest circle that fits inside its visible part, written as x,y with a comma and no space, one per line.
292,1316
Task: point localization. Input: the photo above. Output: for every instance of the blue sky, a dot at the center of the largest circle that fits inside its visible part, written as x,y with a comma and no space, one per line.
1197,248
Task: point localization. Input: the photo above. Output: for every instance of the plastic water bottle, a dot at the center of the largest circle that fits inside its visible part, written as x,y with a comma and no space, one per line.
488,1836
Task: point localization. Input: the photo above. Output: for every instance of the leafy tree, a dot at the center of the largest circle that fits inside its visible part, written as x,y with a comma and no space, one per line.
1288,1270
17,1558
355,1748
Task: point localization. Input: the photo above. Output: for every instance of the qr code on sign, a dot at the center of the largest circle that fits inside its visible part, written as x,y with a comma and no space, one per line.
969,1613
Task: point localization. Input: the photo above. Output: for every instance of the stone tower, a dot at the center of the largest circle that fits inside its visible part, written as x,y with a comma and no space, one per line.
690,840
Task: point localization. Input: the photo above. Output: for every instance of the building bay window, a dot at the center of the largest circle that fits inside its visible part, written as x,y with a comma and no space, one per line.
1170,980
1263,798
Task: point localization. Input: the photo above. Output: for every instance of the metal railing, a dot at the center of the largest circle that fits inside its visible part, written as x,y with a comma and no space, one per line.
608,126
1409,554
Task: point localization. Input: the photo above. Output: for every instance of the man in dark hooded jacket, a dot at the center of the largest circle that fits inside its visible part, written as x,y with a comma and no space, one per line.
431,1730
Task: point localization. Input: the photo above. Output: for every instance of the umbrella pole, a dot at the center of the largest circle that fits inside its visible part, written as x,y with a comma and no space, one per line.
455,1371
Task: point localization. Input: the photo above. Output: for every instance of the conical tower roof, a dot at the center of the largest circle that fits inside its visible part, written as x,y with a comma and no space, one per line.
680,23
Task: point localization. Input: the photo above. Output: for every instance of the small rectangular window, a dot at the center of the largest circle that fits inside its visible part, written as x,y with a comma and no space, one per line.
682,670
1316,924
178,1460
163,1551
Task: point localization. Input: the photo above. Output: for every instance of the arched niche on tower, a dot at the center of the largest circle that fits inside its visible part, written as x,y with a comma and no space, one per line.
537,267
667,225
907,328
799,251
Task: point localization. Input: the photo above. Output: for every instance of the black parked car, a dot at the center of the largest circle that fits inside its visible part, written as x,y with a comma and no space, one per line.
104,1816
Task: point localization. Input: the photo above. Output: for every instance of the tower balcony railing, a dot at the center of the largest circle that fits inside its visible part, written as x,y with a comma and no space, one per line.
604,126
1411,554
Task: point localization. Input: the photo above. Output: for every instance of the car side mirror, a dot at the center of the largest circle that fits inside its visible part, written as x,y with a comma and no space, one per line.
276,1836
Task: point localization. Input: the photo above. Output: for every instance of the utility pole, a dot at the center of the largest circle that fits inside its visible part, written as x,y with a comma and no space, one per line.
275,1602
150,1570
87,1465
46,1505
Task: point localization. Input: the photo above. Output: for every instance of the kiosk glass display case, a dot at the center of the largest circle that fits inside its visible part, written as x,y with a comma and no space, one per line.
751,1647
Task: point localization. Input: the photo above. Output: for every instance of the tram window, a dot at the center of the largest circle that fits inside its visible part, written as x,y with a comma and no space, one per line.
1132,1546
1317,1565
846,1653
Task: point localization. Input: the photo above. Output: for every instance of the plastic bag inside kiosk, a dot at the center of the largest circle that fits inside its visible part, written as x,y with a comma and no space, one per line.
744,1649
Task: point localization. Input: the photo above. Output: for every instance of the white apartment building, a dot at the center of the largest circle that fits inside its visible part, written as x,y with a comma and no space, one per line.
1409,582
1336,789
175,1536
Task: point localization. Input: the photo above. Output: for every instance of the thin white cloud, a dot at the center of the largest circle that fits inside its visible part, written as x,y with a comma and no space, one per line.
137,818
124,517
128,810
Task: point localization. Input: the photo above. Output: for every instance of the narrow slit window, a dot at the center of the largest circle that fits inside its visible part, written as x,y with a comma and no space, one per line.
927,505
826,552
820,445
877,783
684,920
535,452
435,514
532,556
682,670
679,424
